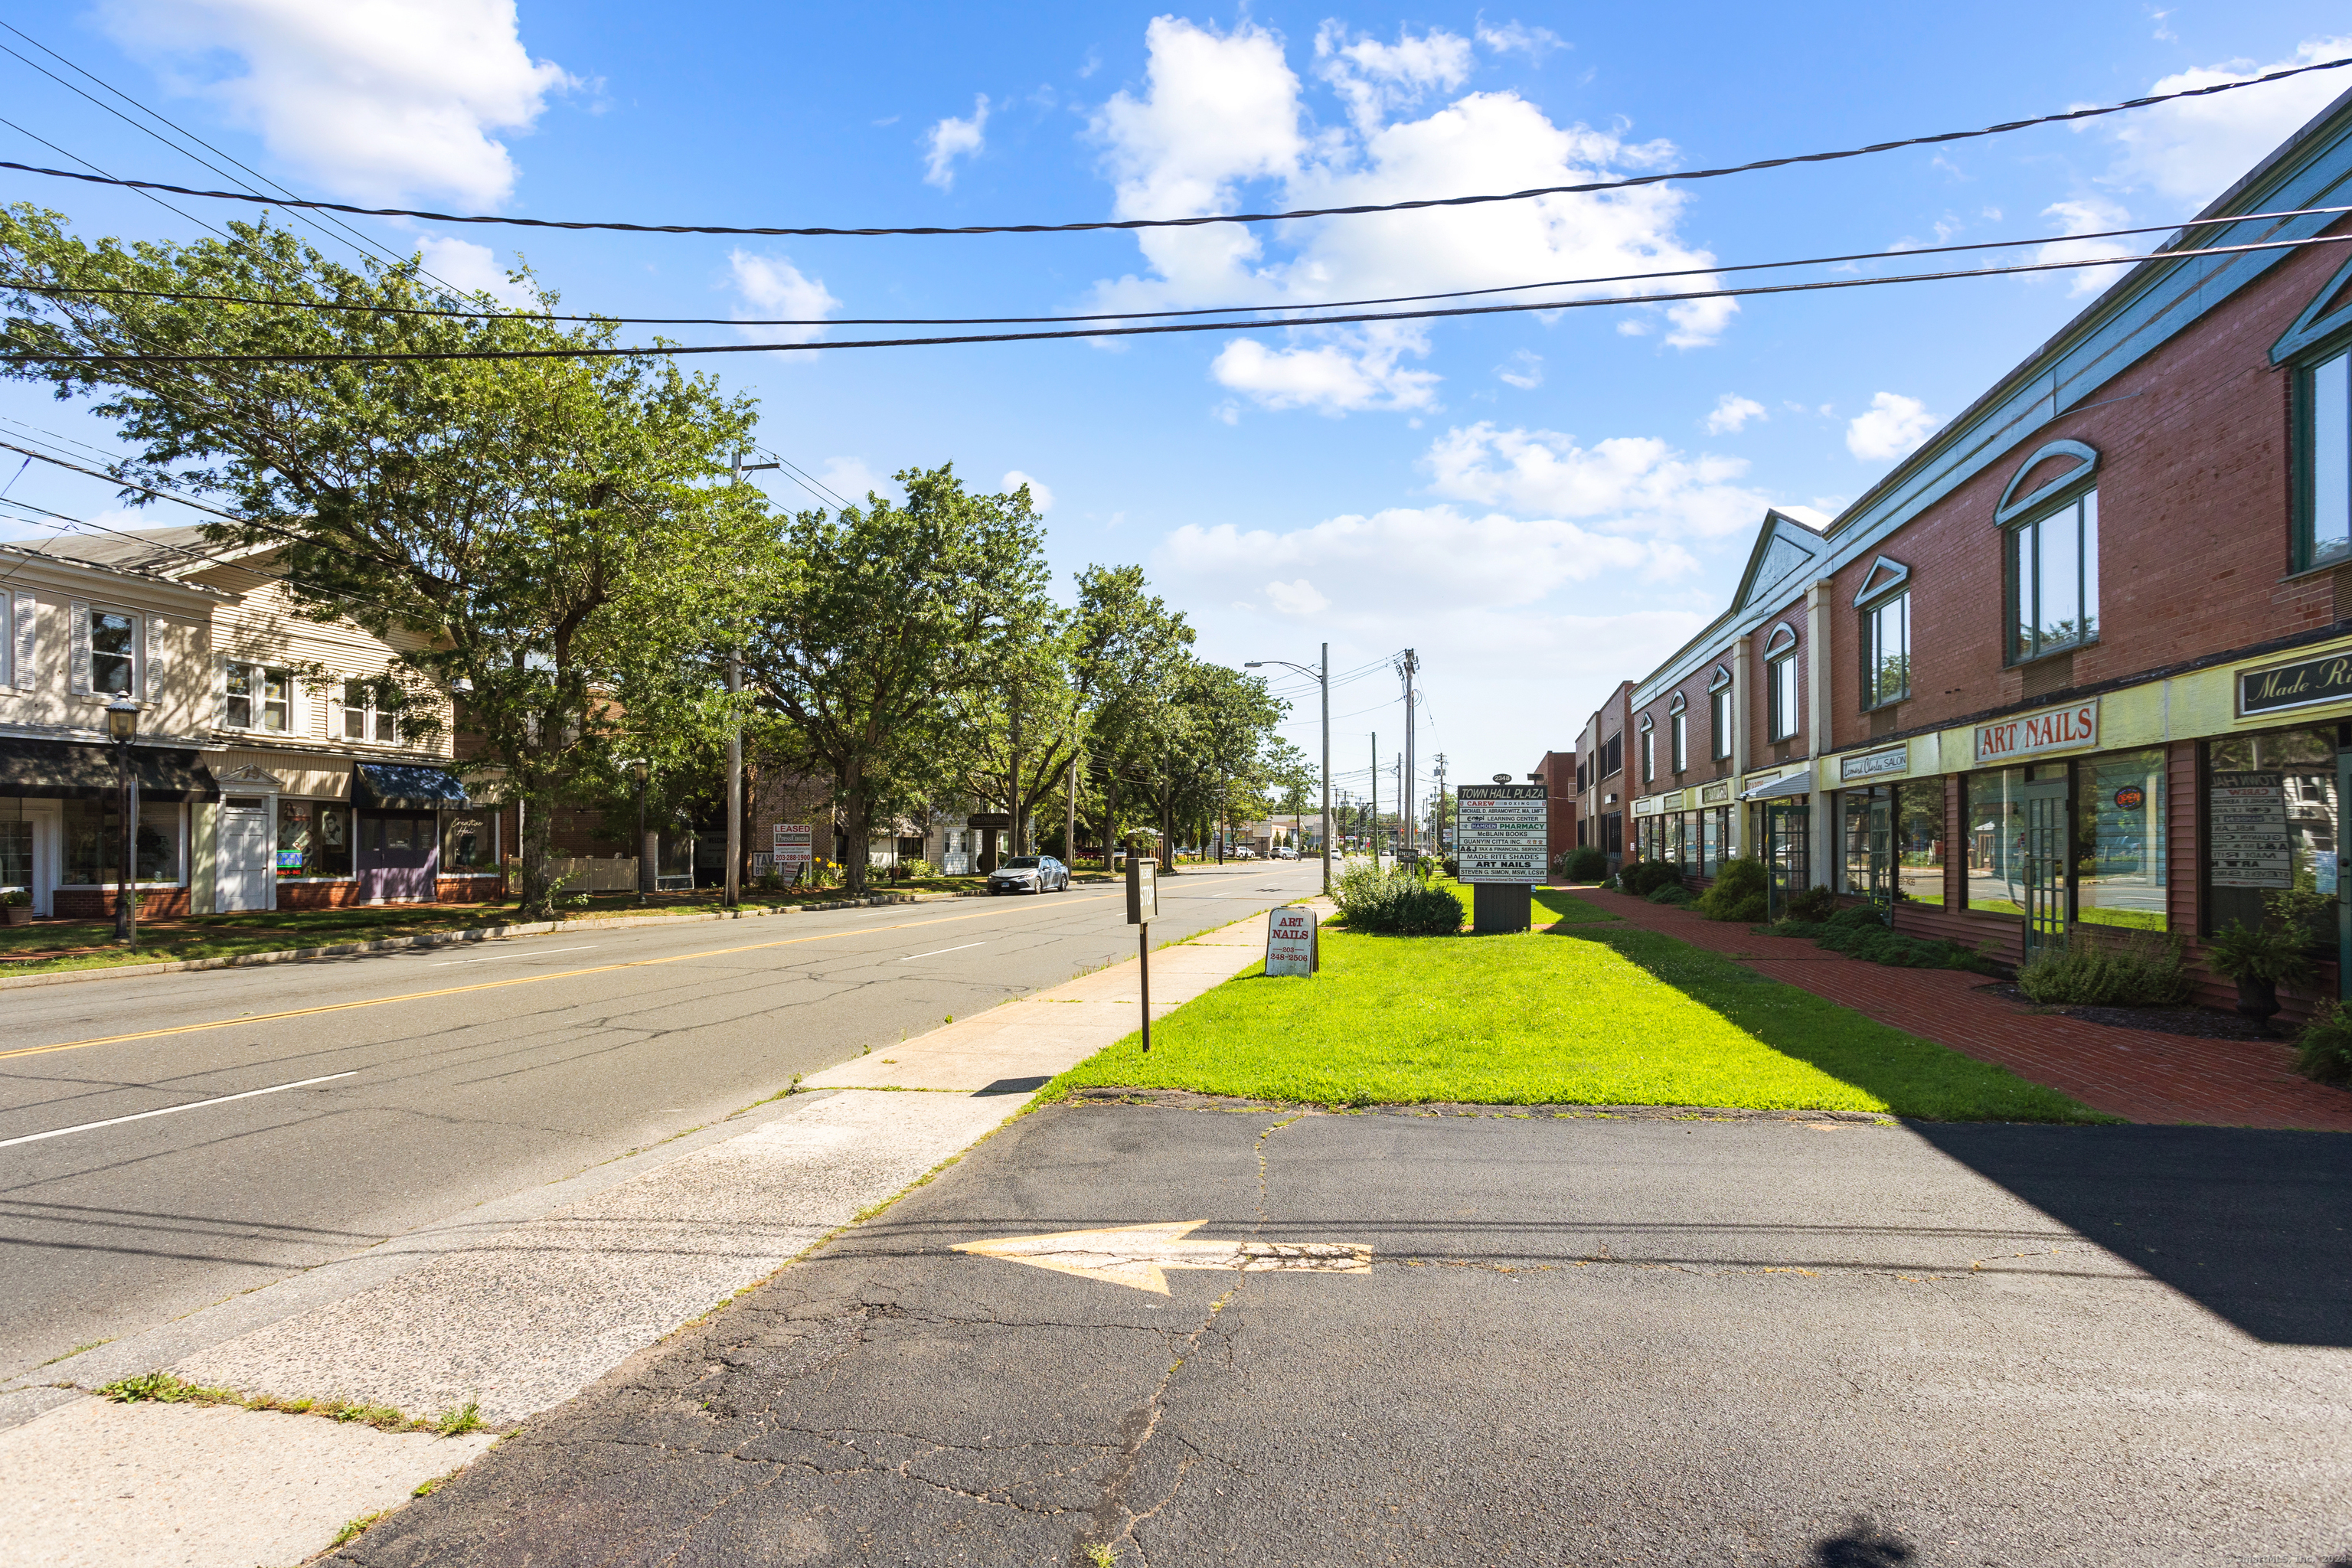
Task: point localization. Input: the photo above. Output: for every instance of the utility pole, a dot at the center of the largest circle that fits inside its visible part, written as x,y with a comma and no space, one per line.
734,889
1437,825
1070,816
1408,666
1372,837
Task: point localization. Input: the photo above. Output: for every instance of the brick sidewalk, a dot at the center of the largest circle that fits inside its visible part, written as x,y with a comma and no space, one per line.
2133,1073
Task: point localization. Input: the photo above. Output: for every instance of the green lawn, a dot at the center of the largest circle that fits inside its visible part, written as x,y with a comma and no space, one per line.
1591,1012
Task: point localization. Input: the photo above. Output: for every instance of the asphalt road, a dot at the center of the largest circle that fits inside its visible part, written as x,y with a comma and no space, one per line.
461,1075
1637,1340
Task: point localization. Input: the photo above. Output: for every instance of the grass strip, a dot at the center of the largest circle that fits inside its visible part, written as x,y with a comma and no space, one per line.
168,1388
1594,1013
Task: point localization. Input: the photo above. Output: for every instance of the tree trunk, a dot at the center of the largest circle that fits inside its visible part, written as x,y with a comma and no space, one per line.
854,807
1110,818
535,900
1167,835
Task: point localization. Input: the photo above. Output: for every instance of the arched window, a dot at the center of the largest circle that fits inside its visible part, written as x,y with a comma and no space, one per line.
2051,545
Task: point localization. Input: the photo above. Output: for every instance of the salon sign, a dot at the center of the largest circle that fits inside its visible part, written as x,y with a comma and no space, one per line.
2052,730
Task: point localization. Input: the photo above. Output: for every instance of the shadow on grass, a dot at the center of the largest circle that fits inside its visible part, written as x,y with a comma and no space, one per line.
1914,1077
2251,1224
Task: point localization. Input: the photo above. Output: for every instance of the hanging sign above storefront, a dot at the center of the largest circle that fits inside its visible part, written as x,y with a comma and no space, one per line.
2029,734
1715,793
2247,817
1504,833
2303,684
1875,764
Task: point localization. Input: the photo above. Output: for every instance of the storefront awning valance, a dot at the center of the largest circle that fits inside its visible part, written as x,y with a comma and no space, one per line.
1799,783
74,770
406,786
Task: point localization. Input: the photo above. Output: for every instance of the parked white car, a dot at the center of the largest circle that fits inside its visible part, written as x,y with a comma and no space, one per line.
1284,852
1029,874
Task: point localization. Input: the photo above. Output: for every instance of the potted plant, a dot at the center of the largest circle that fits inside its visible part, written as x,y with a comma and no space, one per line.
16,907
2261,957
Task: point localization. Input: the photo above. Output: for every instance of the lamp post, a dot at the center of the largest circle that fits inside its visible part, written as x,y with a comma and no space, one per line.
121,725
639,770
1322,676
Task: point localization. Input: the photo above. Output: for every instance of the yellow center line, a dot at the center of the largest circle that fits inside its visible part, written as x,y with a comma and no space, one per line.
518,980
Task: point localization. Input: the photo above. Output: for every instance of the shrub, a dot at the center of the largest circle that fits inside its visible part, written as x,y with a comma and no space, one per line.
1452,867
1859,917
1644,877
1585,863
918,867
1738,893
2325,1051
1395,902
1674,893
2116,967
1812,904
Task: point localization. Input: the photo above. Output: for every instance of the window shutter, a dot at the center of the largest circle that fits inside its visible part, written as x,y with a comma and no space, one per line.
79,675
297,715
220,692
20,643
139,658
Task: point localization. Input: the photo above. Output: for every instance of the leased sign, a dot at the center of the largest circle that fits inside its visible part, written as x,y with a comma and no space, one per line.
2052,730
792,843
1504,833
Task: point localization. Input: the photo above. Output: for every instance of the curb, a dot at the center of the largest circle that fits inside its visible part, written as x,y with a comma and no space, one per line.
452,938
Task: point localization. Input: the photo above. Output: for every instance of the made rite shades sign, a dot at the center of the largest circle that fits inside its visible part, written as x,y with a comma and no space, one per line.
2305,683
2029,734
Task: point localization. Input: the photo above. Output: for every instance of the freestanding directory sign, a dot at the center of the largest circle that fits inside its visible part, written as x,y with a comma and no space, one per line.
1142,909
1501,843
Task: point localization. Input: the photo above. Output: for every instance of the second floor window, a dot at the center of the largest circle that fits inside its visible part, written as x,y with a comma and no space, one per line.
2327,464
259,698
1886,651
2054,580
1682,741
365,715
1649,755
1781,686
1718,723
114,652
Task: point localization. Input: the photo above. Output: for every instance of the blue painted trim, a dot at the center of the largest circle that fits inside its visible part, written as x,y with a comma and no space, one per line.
1873,586
2006,511
2310,327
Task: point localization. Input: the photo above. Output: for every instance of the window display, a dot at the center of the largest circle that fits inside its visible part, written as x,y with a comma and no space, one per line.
94,845
1919,840
2270,815
314,838
1996,842
2119,843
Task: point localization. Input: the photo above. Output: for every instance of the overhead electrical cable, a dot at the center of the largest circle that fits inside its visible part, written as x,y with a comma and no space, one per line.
105,179
24,356
1583,188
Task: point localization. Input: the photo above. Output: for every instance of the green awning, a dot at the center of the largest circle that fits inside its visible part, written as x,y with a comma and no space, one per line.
406,786
76,770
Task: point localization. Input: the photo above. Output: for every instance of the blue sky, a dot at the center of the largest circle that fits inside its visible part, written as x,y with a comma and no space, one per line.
1539,504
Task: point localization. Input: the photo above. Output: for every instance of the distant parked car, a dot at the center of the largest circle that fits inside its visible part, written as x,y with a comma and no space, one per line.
1240,852
1029,874
1284,852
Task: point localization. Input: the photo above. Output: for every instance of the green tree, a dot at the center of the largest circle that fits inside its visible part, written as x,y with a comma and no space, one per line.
543,535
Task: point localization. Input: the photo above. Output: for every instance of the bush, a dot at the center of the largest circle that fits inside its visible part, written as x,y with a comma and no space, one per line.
1674,893
918,867
2108,968
1452,867
2325,1051
1738,893
1644,877
1395,902
1584,863
1812,904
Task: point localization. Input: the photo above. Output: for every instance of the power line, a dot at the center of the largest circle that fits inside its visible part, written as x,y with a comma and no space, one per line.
105,179
1587,187
112,291
630,351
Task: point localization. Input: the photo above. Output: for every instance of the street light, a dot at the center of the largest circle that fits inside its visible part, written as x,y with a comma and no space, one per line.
1322,676
121,725
639,768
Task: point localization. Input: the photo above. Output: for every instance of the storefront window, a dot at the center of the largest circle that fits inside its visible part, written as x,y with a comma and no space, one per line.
1710,847
2119,870
2272,821
1866,814
15,855
1920,841
314,838
467,844
1996,842
94,846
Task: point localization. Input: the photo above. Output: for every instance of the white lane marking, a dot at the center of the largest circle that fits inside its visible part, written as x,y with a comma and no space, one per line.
533,952
937,950
192,1105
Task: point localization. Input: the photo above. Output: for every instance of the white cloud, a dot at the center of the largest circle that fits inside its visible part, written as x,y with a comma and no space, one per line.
1625,484
2089,215
1732,412
1352,371
2191,150
1298,598
1528,373
471,269
776,287
1040,498
375,99
850,479
1893,428
1517,38
1223,111
951,138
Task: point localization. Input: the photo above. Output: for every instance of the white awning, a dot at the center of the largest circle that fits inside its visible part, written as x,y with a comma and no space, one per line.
1799,783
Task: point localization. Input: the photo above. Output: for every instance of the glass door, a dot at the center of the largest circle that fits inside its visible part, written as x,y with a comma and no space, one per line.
2045,839
1788,850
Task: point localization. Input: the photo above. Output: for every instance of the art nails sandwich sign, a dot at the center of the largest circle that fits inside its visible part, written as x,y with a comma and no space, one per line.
2052,730
1290,940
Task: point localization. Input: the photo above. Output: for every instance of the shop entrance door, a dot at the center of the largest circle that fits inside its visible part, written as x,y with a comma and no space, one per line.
1788,850
2043,803
247,841
2333,881
397,856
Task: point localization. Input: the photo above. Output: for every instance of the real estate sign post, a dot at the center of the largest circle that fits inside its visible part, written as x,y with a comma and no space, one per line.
1502,840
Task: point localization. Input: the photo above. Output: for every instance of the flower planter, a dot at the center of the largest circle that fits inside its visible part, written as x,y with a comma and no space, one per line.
17,914
2258,1002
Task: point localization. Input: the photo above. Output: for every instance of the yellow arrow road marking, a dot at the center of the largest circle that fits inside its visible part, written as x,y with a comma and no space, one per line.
500,985
1138,1256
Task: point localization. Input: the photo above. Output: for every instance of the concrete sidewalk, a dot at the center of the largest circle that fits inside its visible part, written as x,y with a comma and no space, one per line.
522,1304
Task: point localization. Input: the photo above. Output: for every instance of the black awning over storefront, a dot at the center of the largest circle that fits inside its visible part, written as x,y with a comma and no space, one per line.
406,786
74,770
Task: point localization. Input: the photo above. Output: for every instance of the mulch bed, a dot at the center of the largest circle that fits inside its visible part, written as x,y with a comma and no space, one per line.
2200,1022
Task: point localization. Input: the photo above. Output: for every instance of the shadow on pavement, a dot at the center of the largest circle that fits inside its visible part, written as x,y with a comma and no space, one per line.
2251,1224
1863,1546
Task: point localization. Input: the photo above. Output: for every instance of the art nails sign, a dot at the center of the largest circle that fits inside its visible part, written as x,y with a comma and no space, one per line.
2052,730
